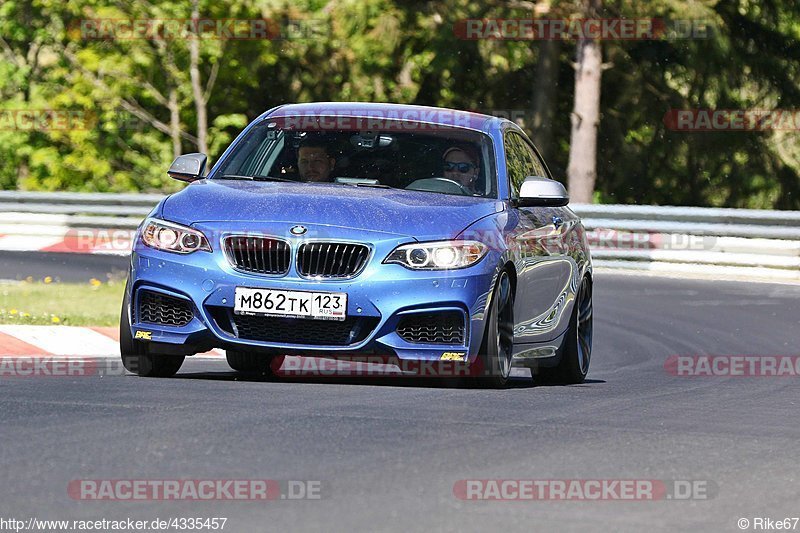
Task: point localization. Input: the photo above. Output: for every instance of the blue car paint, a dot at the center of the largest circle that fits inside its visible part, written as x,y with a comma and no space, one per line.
384,218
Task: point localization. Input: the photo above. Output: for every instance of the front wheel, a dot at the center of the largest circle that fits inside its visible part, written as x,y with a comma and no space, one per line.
496,350
577,350
135,356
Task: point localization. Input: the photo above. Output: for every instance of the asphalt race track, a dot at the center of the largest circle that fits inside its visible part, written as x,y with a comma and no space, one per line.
67,267
388,453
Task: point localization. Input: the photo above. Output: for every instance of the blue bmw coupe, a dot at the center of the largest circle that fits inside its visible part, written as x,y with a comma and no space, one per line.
337,230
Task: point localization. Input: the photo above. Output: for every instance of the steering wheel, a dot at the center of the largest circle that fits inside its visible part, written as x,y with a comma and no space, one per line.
464,190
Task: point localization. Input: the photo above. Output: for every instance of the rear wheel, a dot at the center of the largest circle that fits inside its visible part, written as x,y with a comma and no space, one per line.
496,350
253,364
577,351
135,355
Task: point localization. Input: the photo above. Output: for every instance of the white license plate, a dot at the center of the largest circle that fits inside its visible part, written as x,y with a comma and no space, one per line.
320,305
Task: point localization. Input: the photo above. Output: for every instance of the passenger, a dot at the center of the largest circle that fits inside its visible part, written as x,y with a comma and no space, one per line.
315,160
461,165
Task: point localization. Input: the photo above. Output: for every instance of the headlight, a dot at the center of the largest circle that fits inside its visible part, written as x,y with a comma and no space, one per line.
442,255
171,237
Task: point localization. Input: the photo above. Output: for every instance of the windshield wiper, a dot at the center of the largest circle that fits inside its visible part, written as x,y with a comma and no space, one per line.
253,178
376,185
272,178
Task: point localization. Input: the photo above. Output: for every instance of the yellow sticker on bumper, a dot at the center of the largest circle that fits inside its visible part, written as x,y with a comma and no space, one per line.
453,356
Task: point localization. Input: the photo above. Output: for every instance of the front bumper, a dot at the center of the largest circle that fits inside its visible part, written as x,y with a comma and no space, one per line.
377,298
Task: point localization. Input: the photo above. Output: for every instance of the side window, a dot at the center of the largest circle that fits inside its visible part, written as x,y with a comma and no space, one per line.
521,162
254,154
537,163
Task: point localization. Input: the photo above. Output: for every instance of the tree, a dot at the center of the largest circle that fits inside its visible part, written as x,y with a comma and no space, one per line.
585,117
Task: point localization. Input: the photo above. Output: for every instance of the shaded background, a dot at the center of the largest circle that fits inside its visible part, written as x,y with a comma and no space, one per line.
151,99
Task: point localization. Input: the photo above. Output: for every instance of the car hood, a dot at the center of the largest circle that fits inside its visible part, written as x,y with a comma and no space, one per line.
421,215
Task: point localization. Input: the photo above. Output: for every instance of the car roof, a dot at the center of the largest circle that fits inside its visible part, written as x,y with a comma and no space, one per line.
434,115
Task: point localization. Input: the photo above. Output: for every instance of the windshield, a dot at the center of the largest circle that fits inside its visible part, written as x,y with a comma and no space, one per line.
402,155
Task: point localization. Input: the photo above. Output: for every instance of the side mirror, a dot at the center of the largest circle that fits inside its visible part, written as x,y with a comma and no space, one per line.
188,167
537,191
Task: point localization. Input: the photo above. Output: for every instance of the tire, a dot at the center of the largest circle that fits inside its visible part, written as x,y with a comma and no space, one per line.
494,358
577,350
135,355
253,364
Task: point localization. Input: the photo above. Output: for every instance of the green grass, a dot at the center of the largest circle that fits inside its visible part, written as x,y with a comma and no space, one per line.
68,304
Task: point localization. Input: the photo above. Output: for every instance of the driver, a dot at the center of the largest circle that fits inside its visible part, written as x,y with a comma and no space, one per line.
460,164
315,160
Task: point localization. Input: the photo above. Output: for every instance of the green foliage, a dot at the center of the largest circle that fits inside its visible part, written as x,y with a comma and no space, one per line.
746,63
387,50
